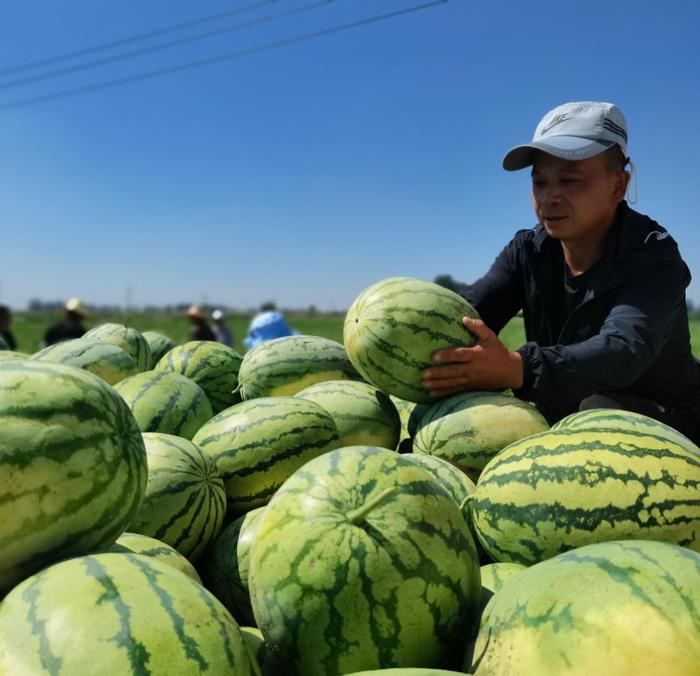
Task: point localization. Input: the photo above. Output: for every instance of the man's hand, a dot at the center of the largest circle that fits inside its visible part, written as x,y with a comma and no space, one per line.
488,365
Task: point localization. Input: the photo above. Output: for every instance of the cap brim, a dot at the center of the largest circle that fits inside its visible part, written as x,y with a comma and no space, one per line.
571,148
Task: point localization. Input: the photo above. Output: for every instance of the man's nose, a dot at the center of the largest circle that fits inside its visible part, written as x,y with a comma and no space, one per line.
549,194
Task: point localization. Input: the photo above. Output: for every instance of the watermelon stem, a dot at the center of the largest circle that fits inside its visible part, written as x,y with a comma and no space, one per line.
358,515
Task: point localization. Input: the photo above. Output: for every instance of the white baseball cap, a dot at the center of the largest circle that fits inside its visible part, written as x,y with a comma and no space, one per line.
573,131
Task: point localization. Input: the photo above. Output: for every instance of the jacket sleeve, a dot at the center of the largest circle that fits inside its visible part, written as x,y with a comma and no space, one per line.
630,338
498,295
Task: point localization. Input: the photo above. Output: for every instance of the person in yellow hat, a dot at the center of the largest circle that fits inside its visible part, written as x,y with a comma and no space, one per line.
71,326
200,328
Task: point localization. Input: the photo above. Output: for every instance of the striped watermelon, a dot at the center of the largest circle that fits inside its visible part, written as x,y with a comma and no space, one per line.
469,429
258,444
10,355
130,340
394,327
112,614
364,415
625,421
616,608
407,672
185,500
285,366
72,466
167,402
451,478
458,485
494,576
105,360
564,489
362,561
224,566
135,543
213,366
158,345
410,414
256,645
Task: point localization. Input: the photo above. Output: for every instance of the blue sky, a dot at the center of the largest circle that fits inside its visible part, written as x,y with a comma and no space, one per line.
303,174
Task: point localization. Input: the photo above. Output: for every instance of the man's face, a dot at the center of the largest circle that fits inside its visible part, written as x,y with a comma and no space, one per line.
575,200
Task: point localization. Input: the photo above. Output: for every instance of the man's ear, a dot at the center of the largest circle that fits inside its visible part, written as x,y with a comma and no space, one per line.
622,180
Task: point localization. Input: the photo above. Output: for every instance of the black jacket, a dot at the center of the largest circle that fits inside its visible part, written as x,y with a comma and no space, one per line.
629,334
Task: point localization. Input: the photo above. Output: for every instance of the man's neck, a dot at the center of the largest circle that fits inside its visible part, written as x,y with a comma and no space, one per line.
581,254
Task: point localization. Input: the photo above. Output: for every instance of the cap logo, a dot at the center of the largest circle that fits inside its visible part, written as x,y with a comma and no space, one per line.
558,119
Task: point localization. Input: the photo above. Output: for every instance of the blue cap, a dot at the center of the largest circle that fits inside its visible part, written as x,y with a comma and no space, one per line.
266,326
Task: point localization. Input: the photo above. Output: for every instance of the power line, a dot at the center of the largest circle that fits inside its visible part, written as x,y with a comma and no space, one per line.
191,65
130,40
50,75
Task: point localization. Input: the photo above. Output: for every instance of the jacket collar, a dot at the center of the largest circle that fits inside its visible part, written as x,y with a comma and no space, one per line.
628,233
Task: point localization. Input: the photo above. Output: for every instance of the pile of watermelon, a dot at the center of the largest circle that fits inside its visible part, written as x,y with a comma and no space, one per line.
307,509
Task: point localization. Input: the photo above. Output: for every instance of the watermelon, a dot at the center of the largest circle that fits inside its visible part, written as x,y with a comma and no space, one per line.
394,327
118,613
409,671
10,355
213,366
410,414
494,576
135,543
105,360
167,402
185,500
256,643
73,466
258,444
365,549
158,345
564,489
363,415
610,608
451,478
469,429
130,340
625,421
224,567
285,366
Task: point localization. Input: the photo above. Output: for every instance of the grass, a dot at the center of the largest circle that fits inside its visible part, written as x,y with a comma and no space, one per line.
29,328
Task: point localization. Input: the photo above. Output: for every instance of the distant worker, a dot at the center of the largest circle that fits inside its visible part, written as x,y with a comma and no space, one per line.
220,328
5,321
200,329
71,326
266,326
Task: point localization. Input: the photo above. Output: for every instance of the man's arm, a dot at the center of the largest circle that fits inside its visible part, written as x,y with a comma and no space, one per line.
560,376
499,294
628,342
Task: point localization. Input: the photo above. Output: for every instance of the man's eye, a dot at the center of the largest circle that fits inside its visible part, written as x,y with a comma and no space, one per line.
538,184
569,180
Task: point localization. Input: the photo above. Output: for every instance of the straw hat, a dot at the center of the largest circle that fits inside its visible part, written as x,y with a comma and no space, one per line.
196,312
77,306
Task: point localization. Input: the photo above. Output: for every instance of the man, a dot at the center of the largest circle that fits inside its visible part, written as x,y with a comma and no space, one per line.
221,331
71,326
200,329
267,326
5,322
601,288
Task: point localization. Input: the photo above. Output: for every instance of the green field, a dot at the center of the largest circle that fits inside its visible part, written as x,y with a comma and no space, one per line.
29,328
